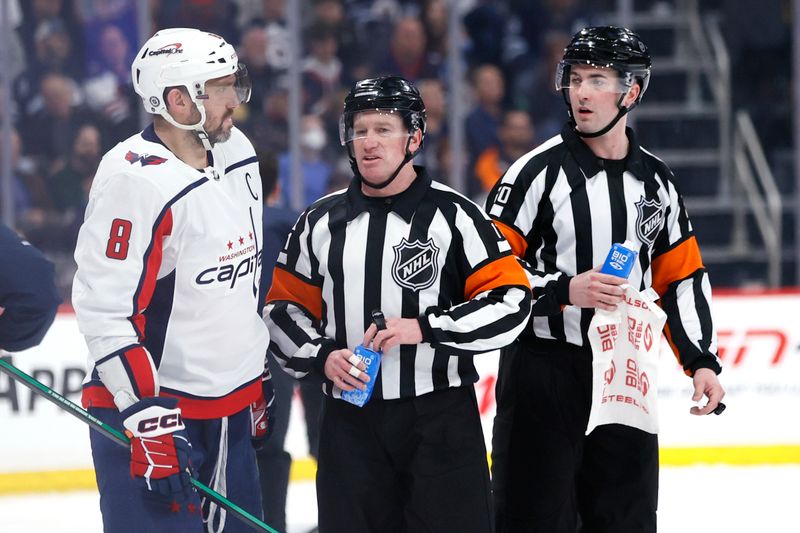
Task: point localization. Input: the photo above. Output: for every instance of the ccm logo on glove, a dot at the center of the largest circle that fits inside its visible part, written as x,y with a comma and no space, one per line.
170,421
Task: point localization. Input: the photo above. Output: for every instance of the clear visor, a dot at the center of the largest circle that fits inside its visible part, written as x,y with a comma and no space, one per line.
372,123
600,78
238,92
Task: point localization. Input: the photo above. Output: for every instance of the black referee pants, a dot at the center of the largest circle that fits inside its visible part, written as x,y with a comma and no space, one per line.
414,465
547,476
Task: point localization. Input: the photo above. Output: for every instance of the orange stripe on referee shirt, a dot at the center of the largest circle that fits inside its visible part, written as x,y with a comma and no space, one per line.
677,264
518,243
504,271
287,286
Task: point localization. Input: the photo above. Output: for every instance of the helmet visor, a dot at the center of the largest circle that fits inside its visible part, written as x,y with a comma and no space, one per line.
600,78
234,88
243,85
373,123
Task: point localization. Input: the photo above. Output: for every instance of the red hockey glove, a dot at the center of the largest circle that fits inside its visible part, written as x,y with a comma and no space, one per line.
160,447
262,418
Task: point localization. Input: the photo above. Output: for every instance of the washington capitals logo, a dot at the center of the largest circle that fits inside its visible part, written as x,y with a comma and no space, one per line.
649,220
415,265
144,159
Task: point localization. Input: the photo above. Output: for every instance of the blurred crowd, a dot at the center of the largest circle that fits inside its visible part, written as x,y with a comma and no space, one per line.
72,95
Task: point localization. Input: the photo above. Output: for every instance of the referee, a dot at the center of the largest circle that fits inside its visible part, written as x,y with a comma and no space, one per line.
413,458
561,207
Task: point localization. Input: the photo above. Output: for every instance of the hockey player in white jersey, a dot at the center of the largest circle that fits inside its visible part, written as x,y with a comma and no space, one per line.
166,295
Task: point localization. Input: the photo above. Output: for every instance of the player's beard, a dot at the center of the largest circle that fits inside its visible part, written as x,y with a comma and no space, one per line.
219,134
216,135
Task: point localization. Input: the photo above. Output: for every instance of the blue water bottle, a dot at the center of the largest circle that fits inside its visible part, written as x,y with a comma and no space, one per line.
620,259
372,359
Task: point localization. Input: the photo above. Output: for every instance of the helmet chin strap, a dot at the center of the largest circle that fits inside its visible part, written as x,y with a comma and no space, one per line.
590,135
197,127
382,185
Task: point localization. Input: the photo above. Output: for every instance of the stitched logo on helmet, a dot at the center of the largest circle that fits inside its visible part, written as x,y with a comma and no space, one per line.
649,220
169,49
144,159
415,265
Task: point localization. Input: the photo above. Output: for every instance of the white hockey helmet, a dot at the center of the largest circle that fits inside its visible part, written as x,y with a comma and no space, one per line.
185,57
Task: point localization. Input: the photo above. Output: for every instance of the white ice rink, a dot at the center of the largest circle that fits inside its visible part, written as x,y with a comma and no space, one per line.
697,499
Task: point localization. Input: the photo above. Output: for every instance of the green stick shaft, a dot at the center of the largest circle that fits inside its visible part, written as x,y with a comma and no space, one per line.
120,438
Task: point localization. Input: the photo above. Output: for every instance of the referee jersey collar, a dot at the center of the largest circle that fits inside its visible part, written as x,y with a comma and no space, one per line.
591,165
404,203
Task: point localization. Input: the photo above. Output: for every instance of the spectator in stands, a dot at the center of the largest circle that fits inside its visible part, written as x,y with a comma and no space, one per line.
536,92
516,135
253,53
349,42
216,17
21,195
40,20
109,91
314,170
274,20
50,132
53,53
482,122
434,19
269,131
69,186
432,92
407,55
322,71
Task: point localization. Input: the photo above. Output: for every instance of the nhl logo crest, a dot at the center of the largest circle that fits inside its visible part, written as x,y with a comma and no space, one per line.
415,265
649,220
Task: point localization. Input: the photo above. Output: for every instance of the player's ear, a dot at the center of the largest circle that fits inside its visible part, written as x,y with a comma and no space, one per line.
177,98
633,94
416,140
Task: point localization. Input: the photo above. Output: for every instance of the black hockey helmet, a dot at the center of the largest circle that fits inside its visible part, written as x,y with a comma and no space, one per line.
390,93
610,47
607,47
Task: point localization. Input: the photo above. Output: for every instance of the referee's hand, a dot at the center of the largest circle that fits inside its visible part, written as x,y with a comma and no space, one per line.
346,370
593,289
398,331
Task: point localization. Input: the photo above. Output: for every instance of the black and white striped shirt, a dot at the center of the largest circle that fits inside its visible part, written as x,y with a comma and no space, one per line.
561,208
426,253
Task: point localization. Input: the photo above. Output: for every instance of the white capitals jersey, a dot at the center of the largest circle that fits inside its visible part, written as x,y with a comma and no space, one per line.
169,263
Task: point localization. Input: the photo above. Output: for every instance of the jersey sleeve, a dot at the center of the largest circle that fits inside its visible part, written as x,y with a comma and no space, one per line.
118,253
28,295
681,280
293,312
513,205
496,298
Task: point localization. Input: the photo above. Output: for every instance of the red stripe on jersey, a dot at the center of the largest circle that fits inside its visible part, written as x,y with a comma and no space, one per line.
151,272
205,409
195,408
139,362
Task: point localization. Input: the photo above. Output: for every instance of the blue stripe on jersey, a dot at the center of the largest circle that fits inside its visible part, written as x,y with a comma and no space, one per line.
157,317
149,250
243,162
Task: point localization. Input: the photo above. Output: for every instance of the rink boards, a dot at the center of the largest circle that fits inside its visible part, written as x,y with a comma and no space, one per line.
42,448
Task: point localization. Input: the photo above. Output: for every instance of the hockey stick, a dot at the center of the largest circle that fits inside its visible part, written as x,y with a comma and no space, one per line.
120,438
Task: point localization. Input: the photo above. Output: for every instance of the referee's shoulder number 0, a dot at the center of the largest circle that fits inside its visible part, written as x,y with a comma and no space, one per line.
503,194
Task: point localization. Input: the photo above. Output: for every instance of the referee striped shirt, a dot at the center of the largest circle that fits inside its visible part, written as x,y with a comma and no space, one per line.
426,253
561,208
